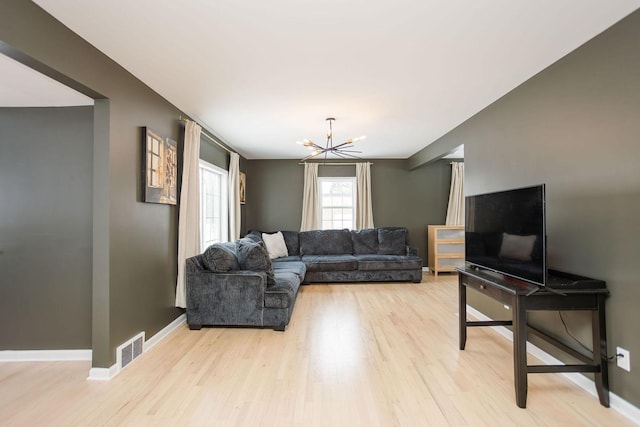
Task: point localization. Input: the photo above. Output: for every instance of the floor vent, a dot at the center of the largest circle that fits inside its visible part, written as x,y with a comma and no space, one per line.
130,350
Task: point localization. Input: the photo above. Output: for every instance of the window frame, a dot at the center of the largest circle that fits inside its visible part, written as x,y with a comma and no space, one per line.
324,179
224,203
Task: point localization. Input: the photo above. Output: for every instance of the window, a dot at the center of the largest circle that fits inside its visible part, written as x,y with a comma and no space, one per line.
213,205
337,202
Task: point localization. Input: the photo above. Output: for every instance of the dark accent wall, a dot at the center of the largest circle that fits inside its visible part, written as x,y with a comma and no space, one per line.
274,195
576,127
135,243
411,198
46,170
212,153
400,197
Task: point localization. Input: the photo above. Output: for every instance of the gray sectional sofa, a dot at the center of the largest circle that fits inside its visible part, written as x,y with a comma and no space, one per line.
238,284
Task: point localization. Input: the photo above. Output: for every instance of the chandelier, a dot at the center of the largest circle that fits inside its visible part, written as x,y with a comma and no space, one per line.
344,150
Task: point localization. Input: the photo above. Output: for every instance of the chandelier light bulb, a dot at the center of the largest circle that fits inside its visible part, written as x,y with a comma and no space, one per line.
343,150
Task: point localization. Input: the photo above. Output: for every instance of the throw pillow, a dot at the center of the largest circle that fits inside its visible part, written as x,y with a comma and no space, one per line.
254,235
275,245
517,247
220,258
254,256
392,242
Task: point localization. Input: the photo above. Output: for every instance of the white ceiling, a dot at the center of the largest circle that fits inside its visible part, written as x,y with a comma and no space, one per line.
263,74
21,86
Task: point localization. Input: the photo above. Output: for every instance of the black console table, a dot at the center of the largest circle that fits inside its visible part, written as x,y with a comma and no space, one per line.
571,293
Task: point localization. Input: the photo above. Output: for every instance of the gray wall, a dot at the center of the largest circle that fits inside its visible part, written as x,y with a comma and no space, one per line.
134,247
46,172
400,197
576,127
212,153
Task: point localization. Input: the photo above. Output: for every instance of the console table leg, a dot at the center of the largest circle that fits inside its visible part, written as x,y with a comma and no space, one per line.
599,331
520,349
462,312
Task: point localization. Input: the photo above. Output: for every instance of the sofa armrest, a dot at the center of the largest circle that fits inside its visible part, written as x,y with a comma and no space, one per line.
228,285
231,298
412,251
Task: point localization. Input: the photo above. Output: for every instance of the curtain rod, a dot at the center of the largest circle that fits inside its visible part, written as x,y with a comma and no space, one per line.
335,163
184,119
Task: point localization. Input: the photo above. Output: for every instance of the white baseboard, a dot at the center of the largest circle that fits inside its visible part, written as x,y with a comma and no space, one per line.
425,269
615,402
44,355
164,332
95,374
103,374
106,374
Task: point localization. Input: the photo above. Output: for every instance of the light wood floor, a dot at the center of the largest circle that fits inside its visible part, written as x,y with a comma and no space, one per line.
353,355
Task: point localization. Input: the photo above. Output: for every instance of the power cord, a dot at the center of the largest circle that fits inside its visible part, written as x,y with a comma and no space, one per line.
566,328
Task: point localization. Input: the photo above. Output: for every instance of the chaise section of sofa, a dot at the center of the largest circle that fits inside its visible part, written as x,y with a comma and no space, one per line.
221,293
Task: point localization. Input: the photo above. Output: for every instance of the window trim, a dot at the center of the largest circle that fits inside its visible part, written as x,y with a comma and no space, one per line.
351,179
224,215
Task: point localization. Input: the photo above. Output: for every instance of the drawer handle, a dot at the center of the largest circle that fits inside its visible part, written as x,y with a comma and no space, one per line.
483,286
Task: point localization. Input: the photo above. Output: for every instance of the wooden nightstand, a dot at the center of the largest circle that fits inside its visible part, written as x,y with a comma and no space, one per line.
445,247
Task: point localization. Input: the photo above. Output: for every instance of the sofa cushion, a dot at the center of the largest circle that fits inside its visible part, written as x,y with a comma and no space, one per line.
325,242
254,256
392,242
286,259
292,240
296,267
275,245
283,293
388,262
330,262
365,241
220,257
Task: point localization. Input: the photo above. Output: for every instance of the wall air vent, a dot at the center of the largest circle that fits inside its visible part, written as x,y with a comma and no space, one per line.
129,350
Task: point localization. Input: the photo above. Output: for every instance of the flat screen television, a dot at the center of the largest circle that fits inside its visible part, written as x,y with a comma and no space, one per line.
505,232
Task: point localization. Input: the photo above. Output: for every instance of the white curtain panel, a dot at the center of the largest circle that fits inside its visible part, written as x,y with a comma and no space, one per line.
455,209
234,197
188,220
310,198
364,213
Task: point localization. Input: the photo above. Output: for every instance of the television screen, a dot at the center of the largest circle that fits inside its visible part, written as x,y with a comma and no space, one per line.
505,232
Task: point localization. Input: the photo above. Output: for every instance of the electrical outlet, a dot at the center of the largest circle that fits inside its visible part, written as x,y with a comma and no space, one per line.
624,360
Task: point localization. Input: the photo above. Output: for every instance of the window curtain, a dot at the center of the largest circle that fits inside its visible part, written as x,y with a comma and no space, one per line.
188,220
364,213
455,209
234,196
310,198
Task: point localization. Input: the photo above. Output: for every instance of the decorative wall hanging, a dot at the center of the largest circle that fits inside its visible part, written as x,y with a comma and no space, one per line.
161,168
243,187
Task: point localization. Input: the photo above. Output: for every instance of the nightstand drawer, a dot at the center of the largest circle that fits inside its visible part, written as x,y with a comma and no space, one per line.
483,288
